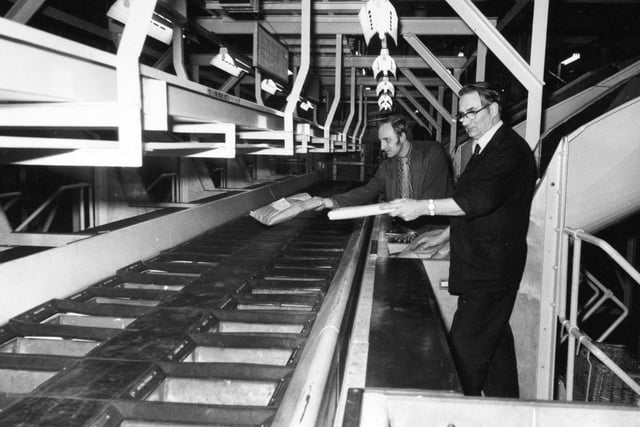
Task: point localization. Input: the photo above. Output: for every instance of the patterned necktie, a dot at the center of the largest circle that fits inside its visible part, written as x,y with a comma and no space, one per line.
405,180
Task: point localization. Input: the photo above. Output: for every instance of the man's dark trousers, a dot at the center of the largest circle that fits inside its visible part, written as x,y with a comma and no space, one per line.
482,343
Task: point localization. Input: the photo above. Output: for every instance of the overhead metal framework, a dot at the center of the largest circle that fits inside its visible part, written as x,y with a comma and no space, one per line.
174,98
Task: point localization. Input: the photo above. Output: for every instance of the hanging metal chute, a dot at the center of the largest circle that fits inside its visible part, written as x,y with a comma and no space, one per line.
384,64
378,16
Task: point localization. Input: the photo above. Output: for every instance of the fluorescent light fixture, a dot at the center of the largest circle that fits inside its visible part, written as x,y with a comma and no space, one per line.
573,58
160,27
270,86
306,105
224,61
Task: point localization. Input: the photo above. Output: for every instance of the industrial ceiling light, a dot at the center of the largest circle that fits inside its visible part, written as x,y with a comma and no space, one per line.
573,58
270,86
306,105
160,27
226,62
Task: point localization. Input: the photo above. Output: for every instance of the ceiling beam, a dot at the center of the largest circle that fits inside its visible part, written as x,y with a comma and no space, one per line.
434,62
325,61
336,24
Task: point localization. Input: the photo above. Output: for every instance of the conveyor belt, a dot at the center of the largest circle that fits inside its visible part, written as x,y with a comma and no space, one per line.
407,343
207,333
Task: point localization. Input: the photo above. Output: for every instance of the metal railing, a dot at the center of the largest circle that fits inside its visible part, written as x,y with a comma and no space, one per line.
85,210
570,324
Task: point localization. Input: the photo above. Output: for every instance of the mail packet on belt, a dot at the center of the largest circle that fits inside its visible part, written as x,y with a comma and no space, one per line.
284,209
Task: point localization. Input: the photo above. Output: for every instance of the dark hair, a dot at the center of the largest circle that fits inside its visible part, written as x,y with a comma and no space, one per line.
397,121
485,90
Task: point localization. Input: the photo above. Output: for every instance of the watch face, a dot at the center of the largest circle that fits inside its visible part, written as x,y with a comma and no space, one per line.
432,207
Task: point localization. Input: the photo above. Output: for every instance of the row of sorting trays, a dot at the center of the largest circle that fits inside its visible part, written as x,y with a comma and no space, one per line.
207,333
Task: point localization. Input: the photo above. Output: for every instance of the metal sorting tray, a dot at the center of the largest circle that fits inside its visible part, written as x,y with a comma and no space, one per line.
22,380
229,384
206,334
48,345
286,287
277,302
259,356
20,374
254,349
133,285
214,391
123,301
79,319
74,319
151,286
262,322
255,327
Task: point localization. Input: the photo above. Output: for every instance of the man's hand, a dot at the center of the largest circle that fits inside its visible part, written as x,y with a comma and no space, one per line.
320,203
433,242
407,209
427,240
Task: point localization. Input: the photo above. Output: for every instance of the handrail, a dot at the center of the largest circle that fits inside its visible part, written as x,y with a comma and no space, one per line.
608,249
570,325
585,341
59,191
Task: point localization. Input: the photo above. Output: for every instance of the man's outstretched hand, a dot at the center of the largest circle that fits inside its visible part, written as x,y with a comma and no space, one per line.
320,203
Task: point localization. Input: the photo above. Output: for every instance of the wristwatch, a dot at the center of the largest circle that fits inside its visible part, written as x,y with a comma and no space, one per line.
431,207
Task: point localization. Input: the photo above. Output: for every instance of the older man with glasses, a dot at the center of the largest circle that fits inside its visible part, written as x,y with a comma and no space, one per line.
489,213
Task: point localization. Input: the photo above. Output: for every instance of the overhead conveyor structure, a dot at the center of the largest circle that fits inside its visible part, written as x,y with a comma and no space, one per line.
65,84
89,107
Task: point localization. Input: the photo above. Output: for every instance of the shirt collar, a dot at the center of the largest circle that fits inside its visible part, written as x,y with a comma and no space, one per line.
484,139
408,156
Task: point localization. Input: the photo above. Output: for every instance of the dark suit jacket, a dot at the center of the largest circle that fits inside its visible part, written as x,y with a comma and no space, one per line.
488,243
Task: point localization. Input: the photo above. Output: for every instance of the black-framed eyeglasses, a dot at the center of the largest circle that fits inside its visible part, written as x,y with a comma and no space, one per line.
469,115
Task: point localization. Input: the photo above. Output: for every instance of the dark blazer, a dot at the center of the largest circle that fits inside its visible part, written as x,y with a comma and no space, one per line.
488,243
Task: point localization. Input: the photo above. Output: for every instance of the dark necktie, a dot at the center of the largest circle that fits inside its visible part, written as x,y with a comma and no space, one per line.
474,156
